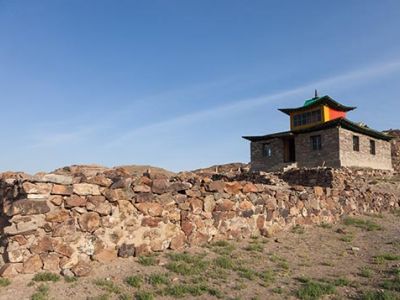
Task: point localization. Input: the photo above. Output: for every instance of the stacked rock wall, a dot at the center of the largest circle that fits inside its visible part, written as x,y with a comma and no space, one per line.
62,221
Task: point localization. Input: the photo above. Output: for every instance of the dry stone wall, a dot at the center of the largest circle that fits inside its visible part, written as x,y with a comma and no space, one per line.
62,222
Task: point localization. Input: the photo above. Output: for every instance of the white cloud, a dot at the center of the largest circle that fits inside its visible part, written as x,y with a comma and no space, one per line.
337,82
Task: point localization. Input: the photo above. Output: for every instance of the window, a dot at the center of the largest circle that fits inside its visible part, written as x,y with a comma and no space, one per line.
316,142
267,150
307,118
372,147
356,143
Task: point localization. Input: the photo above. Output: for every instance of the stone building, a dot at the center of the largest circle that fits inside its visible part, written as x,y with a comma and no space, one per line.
320,135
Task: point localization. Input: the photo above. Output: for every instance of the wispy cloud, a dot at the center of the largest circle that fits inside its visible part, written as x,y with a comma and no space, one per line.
337,82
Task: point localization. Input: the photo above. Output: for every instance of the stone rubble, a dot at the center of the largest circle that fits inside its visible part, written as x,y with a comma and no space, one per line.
61,222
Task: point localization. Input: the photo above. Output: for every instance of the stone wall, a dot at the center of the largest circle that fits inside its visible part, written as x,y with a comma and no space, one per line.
363,158
275,162
328,156
63,221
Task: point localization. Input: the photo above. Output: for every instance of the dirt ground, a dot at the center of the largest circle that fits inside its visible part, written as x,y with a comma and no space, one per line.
358,258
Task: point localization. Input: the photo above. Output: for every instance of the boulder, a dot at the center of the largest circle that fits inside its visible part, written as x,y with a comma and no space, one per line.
150,208
28,207
85,189
160,186
59,189
89,221
82,269
126,250
32,265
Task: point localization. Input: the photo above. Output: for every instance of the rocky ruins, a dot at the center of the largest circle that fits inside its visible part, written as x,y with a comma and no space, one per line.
65,220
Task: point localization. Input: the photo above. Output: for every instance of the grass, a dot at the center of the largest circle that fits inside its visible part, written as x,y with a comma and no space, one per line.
144,295
267,277
4,282
254,247
182,290
134,281
158,279
186,264
247,273
392,284
366,272
224,262
100,297
70,279
341,282
311,289
378,295
108,286
347,238
222,247
360,223
45,277
325,225
149,260
298,229
387,257
42,293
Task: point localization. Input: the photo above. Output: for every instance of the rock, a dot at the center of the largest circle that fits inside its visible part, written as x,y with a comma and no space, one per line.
57,216
64,229
142,188
209,203
126,250
144,197
24,225
196,205
54,178
216,186
10,270
42,245
318,191
32,265
160,186
82,269
56,200
51,262
99,205
65,190
233,188
67,273
150,208
38,188
106,255
178,242
142,249
63,249
187,227
85,189
17,255
75,201
178,187
28,207
224,205
250,188
100,180
116,195
151,222
89,221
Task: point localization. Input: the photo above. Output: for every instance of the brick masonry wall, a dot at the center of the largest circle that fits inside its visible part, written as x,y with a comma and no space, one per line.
264,163
63,222
328,156
363,158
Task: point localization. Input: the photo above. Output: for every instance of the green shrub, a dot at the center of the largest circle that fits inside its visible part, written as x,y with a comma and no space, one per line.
46,276
134,281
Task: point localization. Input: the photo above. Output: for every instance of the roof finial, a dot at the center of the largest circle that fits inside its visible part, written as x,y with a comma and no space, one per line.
316,93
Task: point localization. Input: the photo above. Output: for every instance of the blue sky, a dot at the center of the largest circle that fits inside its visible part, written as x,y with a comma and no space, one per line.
177,83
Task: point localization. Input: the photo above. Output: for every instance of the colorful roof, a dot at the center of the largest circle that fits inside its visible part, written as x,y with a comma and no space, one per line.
340,122
324,100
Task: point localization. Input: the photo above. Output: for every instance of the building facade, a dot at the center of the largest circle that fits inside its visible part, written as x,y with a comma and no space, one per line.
320,135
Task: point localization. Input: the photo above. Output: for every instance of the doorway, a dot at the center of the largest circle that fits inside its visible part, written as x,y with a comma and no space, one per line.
289,154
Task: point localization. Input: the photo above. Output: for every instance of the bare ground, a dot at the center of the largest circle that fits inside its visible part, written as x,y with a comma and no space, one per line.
349,260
